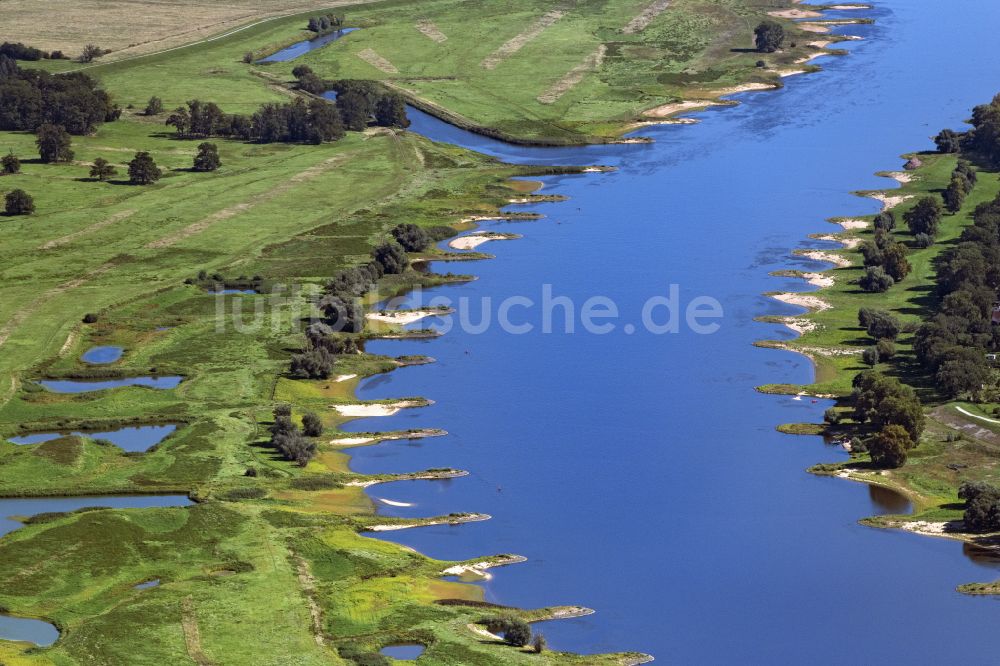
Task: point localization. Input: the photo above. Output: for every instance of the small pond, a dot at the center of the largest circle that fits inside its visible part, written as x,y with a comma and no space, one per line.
148,584
38,632
102,355
84,386
403,652
301,48
133,439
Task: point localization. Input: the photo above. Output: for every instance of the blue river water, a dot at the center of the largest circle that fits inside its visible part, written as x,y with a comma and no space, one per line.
132,438
88,385
301,48
640,473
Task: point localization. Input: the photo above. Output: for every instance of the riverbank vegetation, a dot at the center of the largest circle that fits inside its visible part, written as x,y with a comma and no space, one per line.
913,366
274,537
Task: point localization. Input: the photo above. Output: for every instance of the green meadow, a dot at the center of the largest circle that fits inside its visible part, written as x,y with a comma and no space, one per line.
692,47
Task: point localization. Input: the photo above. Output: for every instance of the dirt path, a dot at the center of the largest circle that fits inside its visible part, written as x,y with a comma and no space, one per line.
371,57
573,76
981,418
644,18
308,583
515,44
97,226
234,210
958,419
192,637
431,31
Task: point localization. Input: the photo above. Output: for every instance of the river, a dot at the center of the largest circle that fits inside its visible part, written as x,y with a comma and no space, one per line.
641,474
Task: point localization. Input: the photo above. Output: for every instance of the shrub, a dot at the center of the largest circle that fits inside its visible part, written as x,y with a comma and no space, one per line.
885,221
982,507
886,349
312,364
293,446
312,426
19,202
514,630
831,416
411,237
102,169
392,257
947,141
90,318
315,483
870,356
876,280
345,314
879,324
10,164
91,51
154,106
236,494
538,643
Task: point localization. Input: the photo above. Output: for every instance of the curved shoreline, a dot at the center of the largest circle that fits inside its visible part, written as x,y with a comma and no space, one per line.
463,123
850,470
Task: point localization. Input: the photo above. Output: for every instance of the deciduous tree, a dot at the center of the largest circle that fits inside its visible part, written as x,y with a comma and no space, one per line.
142,170
768,36
102,169
53,143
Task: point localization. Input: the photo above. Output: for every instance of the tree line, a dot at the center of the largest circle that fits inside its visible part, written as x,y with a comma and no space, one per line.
885,258
30,98
341,304
953,343
360,102
324,23
316,121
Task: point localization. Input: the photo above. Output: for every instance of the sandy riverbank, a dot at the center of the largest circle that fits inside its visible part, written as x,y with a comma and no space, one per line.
809,301
472,241
403,317
361,410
